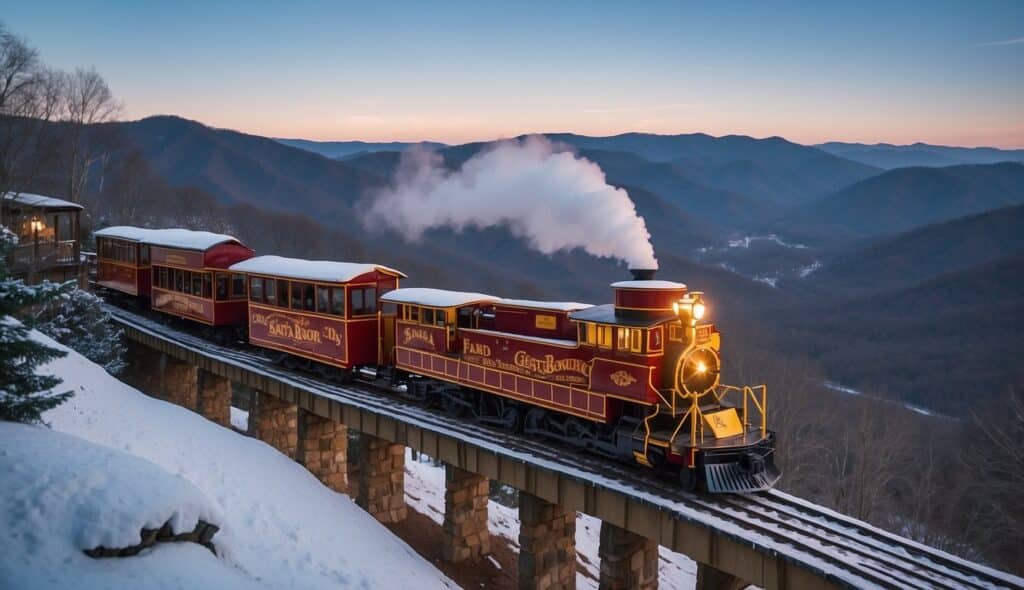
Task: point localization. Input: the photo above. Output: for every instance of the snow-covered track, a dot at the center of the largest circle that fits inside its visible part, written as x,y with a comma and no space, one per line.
772,539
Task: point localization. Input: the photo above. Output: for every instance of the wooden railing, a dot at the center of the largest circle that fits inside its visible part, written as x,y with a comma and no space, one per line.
43,254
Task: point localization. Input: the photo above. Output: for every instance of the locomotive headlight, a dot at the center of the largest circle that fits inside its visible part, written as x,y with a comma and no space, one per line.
698,310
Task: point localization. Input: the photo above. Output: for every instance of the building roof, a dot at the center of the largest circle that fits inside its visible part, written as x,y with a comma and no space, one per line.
41,201
652,285
435,297
549,305
186,239
313,270
605,314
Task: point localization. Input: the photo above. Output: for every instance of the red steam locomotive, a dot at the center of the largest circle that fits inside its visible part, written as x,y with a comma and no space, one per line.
636,380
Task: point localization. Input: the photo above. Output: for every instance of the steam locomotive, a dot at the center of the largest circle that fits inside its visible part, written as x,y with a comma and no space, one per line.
636,380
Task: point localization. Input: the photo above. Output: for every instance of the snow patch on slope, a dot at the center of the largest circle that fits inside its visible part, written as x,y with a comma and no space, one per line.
280,527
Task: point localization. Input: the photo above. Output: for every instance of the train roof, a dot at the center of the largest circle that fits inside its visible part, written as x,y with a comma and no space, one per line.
436,297
185,239
548,305
653,285
313,270
605,314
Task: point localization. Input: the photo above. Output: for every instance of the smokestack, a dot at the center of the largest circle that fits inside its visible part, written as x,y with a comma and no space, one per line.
643,274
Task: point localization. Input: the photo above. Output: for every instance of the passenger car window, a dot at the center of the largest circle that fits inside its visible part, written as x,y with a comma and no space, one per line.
256,289
237,286
338,301
296,295
323,300
270,286
222,287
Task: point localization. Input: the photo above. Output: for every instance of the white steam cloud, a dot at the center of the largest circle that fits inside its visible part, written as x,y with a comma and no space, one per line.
553,199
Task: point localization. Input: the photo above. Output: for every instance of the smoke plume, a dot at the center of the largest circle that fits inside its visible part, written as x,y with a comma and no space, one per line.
553,199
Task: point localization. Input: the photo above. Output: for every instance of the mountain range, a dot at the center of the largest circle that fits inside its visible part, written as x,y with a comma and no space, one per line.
793,245
888,156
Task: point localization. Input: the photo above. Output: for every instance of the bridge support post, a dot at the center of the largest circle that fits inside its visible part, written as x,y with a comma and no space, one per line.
179,382
325,451
382,479
628,561
465,515
214,398
547,544
277,424
709,578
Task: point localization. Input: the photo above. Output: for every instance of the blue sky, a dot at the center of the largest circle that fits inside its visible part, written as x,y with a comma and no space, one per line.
457,71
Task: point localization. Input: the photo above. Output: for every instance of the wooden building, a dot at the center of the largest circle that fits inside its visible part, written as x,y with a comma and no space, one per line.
48,237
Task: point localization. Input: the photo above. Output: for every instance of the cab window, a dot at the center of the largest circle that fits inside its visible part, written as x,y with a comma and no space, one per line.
629,339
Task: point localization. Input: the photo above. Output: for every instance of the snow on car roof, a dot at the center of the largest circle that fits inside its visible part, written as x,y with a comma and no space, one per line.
552,305
313,270
435,297
653,285
31,200
173,238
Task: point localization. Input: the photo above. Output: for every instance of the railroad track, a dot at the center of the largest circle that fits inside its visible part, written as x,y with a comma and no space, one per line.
849,552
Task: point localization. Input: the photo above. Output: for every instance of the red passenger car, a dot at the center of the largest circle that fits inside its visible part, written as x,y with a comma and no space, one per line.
191,279
319,310
122,260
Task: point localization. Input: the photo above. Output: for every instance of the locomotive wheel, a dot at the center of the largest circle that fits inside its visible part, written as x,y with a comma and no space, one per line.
688,479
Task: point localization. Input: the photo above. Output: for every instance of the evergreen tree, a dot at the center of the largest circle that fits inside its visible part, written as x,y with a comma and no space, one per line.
76,319
24,394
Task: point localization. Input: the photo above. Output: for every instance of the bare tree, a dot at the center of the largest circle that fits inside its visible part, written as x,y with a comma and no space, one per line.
31,96
868,456
88,102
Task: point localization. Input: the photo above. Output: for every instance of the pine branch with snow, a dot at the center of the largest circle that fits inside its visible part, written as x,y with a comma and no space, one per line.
76,319
24,394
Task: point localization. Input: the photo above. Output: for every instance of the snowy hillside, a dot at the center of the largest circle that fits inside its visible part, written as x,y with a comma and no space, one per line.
280,527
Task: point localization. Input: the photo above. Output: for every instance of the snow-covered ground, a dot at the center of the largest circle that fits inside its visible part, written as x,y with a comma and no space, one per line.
424,493
280,528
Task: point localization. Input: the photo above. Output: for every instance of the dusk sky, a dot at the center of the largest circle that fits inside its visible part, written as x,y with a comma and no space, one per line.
900,72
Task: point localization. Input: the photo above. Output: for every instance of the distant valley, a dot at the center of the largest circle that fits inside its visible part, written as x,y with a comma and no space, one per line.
882,275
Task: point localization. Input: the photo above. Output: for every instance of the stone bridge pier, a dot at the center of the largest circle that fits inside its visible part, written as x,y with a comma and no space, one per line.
318,439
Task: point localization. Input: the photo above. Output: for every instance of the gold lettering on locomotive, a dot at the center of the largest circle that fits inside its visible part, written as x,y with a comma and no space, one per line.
549,365
417,335
622,378
477,348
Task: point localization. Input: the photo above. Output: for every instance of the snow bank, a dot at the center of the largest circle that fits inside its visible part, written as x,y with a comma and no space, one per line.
60,495
279,525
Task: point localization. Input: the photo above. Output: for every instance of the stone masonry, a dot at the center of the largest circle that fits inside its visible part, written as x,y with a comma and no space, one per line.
709,578
465,516
547,545
325,451
628,561
278,424
382,479
214,398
